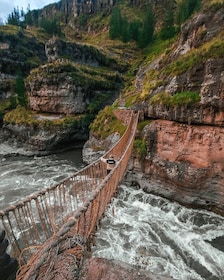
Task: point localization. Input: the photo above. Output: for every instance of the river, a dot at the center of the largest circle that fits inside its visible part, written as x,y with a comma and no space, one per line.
21,175
164,237
141,229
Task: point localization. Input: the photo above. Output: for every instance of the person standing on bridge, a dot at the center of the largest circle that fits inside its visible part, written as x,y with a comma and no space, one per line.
111,162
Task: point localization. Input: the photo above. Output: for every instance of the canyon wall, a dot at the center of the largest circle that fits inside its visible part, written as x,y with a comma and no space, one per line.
183,163
185,143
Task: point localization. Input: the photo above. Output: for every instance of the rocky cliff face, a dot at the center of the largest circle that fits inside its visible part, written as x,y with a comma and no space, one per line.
73,8
77,81
185,161
76,7
185,144
18,52
70,86
39,140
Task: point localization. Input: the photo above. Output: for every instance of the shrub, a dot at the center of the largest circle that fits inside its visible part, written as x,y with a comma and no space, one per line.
20,115
185,98
140,148
105,124
162,98
179,99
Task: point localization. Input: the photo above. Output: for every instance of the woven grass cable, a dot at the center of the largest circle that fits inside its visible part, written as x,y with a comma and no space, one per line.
88,197
45,260
34,226
24,252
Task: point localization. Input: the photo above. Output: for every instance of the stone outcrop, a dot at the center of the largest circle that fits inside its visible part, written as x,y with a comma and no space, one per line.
187,161
8,265
185,143
103,269
70,85
73,8
66,88
41,140
83,83
95,148
58,49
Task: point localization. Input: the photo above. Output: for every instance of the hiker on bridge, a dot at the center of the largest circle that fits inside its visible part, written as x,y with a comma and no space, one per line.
111,162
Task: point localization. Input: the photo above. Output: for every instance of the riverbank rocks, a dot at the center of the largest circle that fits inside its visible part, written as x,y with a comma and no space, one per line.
104,269
8,265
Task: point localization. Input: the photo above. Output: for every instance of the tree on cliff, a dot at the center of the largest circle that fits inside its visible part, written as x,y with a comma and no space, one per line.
147,30
20,91
140,31
115,24
185,8
51,26
168,28
15,17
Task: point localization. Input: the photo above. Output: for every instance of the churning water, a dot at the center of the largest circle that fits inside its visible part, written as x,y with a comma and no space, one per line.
141,229
21,175
164,237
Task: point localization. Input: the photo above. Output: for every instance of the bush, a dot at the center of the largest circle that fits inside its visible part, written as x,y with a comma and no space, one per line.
105,124
20,115
185,98
140,148
179,99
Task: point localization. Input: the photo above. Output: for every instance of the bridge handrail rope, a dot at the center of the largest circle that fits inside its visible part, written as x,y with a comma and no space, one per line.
72,207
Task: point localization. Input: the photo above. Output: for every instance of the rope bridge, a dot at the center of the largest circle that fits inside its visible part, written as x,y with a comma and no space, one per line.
60,219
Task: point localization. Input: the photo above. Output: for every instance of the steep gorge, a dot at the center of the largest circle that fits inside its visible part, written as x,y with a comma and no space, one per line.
185,143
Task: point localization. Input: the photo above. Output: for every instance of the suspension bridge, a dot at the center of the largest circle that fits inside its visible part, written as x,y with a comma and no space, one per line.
59,220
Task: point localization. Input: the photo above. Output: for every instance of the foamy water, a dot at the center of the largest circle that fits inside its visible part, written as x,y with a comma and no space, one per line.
21,175
141,229
164,237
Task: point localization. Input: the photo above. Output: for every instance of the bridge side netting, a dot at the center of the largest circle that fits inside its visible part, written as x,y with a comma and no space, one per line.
65,211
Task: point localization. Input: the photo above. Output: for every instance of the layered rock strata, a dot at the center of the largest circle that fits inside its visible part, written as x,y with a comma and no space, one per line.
185,143
184,163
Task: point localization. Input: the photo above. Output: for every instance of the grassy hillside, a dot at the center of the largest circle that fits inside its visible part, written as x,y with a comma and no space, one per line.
28,46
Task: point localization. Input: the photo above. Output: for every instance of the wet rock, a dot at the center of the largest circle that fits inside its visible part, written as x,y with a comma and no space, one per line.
8,265
103,269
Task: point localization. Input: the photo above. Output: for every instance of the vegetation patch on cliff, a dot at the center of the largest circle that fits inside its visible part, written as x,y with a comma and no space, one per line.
89,77
196,56
106,124
179,99
140,148
23,116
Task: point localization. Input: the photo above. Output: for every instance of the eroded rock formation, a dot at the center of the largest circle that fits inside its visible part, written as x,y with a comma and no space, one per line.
185,143
187,161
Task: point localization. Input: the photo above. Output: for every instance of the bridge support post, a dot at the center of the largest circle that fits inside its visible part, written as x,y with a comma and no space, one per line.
8,265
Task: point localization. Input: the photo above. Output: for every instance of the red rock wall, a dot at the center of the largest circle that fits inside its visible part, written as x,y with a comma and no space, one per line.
187,159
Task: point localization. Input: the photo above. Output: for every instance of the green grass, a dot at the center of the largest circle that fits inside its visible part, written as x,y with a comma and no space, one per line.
179,99
9,29
158,77
87,76
4,105
142,124
105,124
23,116
211,49
140,148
